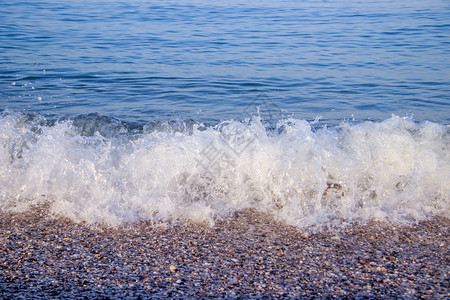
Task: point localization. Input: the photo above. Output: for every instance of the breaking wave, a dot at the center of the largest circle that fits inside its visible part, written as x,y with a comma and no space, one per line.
99,170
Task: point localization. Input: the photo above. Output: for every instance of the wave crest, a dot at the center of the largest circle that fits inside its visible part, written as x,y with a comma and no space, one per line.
100,170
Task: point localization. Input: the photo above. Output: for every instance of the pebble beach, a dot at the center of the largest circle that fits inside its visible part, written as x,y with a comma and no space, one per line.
205,149
249,255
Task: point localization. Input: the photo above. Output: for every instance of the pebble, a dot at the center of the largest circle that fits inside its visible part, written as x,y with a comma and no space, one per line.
44,257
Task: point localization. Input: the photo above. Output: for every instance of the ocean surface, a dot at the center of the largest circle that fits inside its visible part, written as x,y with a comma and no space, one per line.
321,113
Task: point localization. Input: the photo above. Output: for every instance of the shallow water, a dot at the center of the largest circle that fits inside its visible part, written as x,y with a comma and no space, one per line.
141,60
121,111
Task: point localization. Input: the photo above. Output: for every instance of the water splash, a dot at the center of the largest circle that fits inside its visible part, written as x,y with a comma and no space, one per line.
95,169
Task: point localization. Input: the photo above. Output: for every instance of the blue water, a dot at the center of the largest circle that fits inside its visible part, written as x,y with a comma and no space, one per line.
320,113
140,61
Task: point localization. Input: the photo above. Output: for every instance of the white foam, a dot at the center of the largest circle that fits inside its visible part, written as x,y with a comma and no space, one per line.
396,171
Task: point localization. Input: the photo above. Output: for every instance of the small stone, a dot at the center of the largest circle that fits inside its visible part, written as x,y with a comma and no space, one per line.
172,268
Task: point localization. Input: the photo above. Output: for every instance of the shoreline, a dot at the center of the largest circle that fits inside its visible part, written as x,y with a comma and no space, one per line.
249,255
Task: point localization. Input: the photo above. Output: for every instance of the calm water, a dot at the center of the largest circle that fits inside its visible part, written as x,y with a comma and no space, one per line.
146,60
122,111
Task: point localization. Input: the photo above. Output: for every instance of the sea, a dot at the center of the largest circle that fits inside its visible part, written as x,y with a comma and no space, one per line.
321,114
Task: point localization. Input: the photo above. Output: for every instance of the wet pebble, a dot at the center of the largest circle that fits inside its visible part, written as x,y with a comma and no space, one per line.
45,257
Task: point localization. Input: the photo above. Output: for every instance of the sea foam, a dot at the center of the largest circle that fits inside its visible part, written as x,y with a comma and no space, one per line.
96,169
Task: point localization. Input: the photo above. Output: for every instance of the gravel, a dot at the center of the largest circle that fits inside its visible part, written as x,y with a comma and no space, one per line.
249,255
